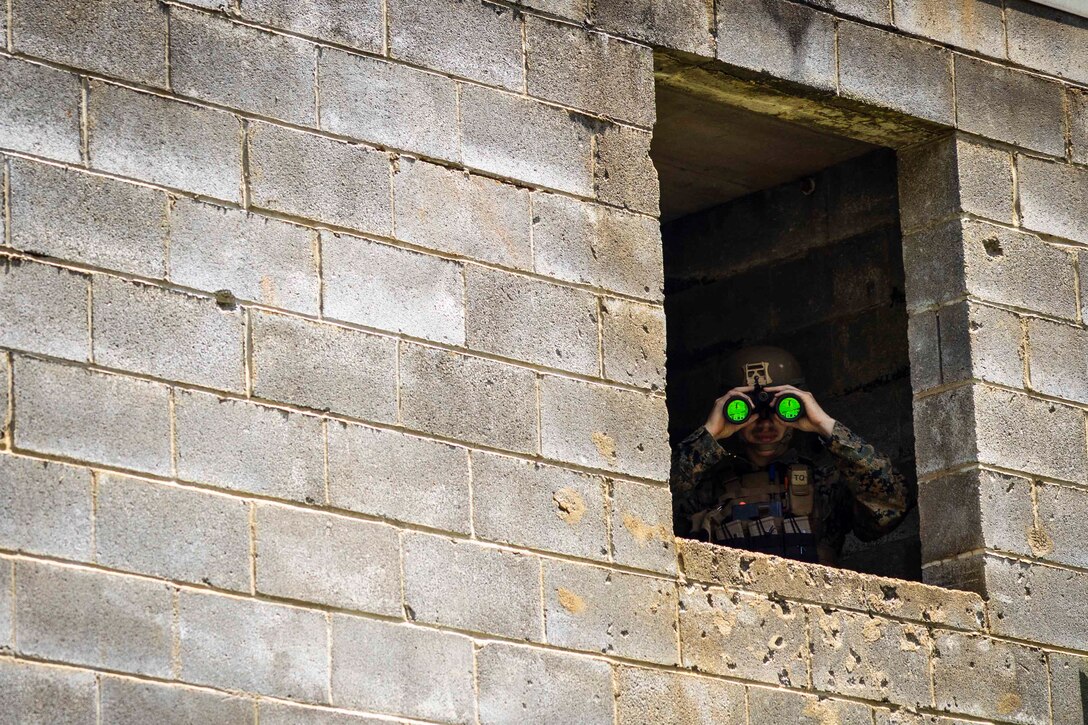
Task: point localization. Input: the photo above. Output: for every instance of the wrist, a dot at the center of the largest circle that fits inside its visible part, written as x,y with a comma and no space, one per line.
826,427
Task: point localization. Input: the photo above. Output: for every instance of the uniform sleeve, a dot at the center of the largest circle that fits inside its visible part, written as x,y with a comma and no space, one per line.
879,491
692,458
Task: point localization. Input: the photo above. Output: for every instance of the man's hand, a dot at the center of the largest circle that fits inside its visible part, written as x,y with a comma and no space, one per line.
815,420
718,425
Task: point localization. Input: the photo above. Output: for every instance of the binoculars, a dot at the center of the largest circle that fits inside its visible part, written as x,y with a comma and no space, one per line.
788,407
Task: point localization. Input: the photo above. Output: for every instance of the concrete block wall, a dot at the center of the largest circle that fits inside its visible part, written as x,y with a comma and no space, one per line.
269,451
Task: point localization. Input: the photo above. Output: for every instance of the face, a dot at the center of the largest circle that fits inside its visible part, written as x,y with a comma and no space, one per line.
764,433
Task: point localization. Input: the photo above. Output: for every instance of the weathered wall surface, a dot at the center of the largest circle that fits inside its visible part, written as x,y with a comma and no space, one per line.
333,343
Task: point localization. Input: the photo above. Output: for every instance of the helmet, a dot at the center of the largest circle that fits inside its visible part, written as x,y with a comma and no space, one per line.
772,365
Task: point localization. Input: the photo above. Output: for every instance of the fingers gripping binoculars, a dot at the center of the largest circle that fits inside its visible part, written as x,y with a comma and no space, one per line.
788,407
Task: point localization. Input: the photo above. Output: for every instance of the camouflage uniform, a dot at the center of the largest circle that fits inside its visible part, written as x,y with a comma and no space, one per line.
855,487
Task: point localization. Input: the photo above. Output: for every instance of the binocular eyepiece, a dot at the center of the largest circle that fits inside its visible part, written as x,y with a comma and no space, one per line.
788,407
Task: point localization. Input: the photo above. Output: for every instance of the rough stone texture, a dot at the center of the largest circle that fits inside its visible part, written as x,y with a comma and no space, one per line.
589,71
401,669
125,39
784,40
70,215
1078,125
772,707
743,635
624,172
1059,359
469,586
254,646
401,477
467,397
388,104
1048,40
470,39
1009,105
986,678
541,507
580,423
642,526
601,610
356,23
172,532
404,291
684,24
167,334
524,319
463,214
5,401
323,366
1053,198
328,559
253,257
245,447
1069,679
985,181
945,434
91,618
525,140
633,343
99,418
43,309
976,25
1061,530
518,684
44,694
278,713
130,702
47,509
981,342
573,240
165,142
913,77
317,178
1036,603
44,117
672,698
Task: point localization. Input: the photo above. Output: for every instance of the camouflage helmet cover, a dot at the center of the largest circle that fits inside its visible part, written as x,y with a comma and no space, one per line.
772,365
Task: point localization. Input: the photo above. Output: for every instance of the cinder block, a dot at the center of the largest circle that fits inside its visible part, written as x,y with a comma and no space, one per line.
528,320
572,9
985,180
526,140
980,342
43,115
870,657
1078,124
591,71
601,610
542,507
356,23
132,702
913,77
634,343
1048,40
944,430
45,694
464,214
470,39
684,25
468,586
1067,676
603,427
624,172
1082,263
7,607
328,559
401,669
85,617
388,104
1053,197
772,707
599,246
520,684
397,476
923,336
234,65
986,678
253,646
124,39
100,418
167,334
1043,604
172,532
976,25
64,213
793,42
43,309
1062,533
323,366
642,534
5,401
47,509
164,141
1059,359
278,713
674,698
990,101
743,635
254,257
469,398
246,447
304,175
403,291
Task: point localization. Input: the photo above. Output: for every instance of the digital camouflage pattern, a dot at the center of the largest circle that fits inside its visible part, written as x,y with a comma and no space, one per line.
855,487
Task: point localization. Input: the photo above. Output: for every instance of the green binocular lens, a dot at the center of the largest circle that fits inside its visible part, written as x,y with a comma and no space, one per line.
737,410
789,408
